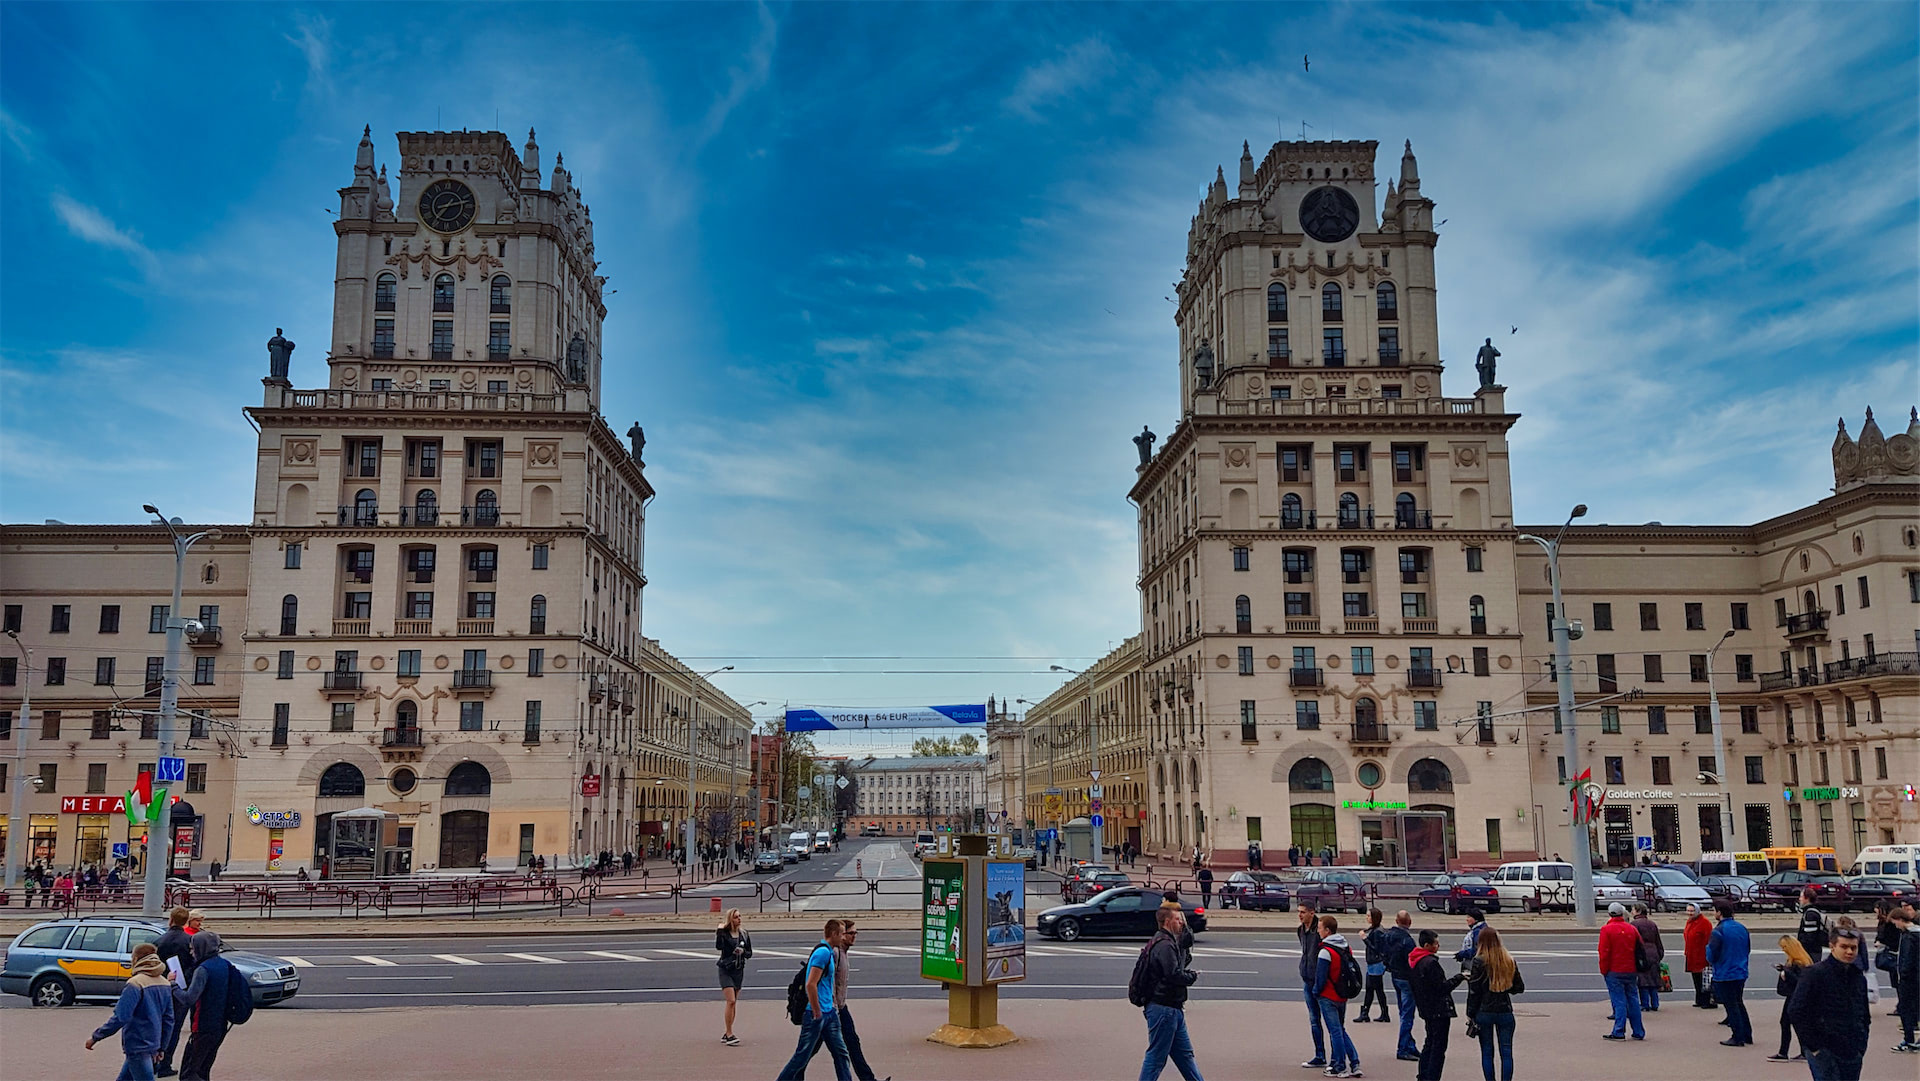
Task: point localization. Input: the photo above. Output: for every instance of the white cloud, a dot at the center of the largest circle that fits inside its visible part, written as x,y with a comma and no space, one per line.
94,227
745,77
313,37
1079,66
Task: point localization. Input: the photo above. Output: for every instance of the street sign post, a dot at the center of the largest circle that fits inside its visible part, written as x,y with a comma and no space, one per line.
1099,820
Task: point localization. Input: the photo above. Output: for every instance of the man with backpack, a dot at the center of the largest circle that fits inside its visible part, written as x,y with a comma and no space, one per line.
1433,997
217,999
1159,987
1400,947
810,1004
1337,978
1309,935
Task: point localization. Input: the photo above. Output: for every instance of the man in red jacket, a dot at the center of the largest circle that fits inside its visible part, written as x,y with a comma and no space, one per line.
1697,931
1619,955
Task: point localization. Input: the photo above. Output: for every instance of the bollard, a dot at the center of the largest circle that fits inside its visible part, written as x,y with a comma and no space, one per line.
714,904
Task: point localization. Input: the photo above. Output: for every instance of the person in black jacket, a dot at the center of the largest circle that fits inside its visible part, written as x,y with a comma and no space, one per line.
1399,945
174,945
1376,940
1165,982
1433,998
1492,981
735,947
1906,978
1813,927
1829,1010
1309,935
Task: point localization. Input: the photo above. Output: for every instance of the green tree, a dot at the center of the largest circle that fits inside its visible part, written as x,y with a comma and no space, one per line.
795,766
945,746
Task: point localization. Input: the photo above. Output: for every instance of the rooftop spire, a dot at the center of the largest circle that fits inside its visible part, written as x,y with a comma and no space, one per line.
1409,169
363,157
530,160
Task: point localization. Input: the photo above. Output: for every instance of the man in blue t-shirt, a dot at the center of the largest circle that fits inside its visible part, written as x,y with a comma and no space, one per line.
822,1024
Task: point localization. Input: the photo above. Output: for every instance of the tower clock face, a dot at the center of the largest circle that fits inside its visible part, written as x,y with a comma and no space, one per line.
1329,214
447,205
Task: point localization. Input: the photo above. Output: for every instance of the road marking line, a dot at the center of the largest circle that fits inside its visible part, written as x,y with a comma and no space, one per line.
385,979
617,956
374,960
707,955
297,962
779,953
456,958
1211,951
537,957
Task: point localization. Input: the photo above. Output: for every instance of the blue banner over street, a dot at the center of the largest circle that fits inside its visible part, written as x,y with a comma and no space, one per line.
829,719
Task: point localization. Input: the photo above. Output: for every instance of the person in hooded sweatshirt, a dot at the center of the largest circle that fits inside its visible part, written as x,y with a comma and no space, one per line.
207,1001
143,1017
1433,999
175,944
1343,1057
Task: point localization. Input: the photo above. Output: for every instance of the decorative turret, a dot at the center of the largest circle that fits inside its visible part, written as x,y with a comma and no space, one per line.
382,198
1390,214
1247,187
530,158
363,160
561,177
1875,457
1409,172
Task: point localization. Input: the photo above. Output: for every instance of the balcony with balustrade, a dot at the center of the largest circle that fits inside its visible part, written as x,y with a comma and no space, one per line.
1428,678
341,682
1306,677
1807,625
1370,734
474,680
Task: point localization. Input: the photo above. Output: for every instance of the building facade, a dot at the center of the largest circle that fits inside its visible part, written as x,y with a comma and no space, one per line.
1104,707
905,795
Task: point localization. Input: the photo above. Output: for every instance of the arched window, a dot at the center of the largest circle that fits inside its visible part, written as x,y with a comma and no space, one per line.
1310,775
385,289
366,507
1349,510
1405,510
486,508
406,714
500,298
1366,712
1243,615
537,616
1386,301
1330,303
443,293
1313,828
1276,303
1812,602
289,615
1477,613
469,779
426,507
1291,517
343,779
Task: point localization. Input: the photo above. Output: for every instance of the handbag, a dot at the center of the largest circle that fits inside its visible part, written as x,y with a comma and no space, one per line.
1666,978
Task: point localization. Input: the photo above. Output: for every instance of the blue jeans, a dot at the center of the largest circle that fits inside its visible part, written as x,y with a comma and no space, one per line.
1625,996
1500,1026
1732,995
1167,1037
1404,991
1339,1045
814,1032
138,1068
1650,999
1313,1018
1832,1065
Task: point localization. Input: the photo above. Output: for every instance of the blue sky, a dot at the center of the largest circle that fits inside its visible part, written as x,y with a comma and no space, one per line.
890,277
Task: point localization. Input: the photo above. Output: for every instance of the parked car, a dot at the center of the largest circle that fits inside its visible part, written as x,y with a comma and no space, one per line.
1665,889
767,861
56,962
1608,888
1084,888
1829,889
1455,893
1743,891
1029,854
1075,873
1333,890
789,854
1533,885
1870,889
1129,910
1254,890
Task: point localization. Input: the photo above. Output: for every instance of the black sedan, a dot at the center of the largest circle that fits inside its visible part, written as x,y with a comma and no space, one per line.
1454,894
1868,890
1128,911
1829,889
1743,891
1255,890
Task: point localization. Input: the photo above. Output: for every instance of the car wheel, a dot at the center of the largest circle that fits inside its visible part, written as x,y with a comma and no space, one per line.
51,991
1068,930
1422,905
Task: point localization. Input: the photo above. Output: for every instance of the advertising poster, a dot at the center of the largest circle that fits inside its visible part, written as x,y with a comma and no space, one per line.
1006,922
940,920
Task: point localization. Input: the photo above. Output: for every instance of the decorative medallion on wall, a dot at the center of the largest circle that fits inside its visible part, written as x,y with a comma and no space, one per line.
543,453
1273,660
1393,661
350,376
1309,386
1254,386
297,452
441,661
560,662
1506,661
1333,660
313,664
1421,384
1466,456
469,380
507,661
260,664
1237,456
377,662
410,377
1221,661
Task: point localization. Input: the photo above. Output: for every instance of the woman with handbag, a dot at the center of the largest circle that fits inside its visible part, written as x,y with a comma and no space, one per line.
1492,981
1790,972
736,948
1652,952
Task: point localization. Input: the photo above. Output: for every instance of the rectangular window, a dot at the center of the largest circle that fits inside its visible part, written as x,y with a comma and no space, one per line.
1880,763
1826,826
409,663
1249,721
9,671
286,665
1242,558
1853,764
1649,616
1743,667
1796,827
1738,615
1703,720
1560,763
423,458
1602,616
157,619
97,777
109,619
1662,769
540,557
1656,719
282,721
103,671
1253,828
480,606
49,724
1356,605
1333,347
49,777
1299,604
1389,346
1866,598
196,776
1793,768
1306,714
1476,560
1363,660
1697,667
1277,349
62,621
1246,660
1749,720
1482,662
1426,716
420,604
102,724
1493,848
1651,663
1839,599
342,717
12,619
1616,767
357,605
483,459
293,555
1350,461
383,337
1610,720
1696,616
1484,711
56,671
532,732
1296,463
472,714
443,339
1666,826
536,662
496,386
1603,669
499,340
156,674
203,671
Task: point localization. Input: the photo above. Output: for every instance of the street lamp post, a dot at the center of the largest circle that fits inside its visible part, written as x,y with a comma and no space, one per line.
1563,669
693,769
1719,745
17,834
1096,818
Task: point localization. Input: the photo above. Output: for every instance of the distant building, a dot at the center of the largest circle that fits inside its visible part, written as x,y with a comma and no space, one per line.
905,795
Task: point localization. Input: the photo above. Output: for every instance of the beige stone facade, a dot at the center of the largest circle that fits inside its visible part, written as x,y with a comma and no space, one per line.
1106,706
905,795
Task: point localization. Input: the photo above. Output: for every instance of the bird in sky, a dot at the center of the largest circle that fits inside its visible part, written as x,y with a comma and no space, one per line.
1443,221
1306,62
1514,331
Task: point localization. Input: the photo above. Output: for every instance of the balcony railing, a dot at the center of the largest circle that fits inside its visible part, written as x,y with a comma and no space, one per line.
403,736
1333,358
357,515
352,628
417,515
1303,624
483,516
1306,677
1814,622
1331,315
1355,407
1412,519
1423,677
500,307
1388,314
208,638
412,627
472,678
496,351
442,352
474,626
1279,358
1880,664
437,399
1297,520
340,681
1421,625
383,303
1360,518
1362,624
1371,732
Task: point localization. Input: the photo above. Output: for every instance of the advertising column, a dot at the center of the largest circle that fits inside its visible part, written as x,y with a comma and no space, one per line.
942,921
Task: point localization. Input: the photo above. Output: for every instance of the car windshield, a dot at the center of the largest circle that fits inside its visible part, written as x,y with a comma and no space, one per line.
1469,880
1670,878
1266,877
1607,880
1824,876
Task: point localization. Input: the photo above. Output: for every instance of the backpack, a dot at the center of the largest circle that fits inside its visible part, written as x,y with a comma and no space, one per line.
1346,982
797,1002
1139,991
1399,947
239,998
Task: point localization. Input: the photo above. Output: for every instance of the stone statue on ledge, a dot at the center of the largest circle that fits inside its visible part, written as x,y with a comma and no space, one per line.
279,356
577,360
1144,444
1483,363
638,438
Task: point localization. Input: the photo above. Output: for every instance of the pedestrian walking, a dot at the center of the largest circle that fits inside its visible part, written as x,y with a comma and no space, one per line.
1399,948
1728,950
1433,998
1620,966
1376,943
1293,856
1813,926
626,862
217,997
1476,923
1906,978
142,1016
1492,981
847,1032
1326,856
1829,1010
821,1024
1695,934
736,949
1308,932
1652,952
1206,886
1790,972
1333,973
1196,859
1158,986
176,945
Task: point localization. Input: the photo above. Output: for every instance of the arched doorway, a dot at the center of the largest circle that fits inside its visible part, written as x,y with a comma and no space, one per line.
463,839
1312,823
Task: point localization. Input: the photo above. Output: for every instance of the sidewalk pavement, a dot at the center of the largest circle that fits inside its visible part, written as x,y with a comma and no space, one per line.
1060,1040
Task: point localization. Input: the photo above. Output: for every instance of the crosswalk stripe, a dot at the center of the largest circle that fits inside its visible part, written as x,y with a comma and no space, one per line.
1210,951
297,962
456,958
374,960
707,955
889,949
777,953
537,957
618,956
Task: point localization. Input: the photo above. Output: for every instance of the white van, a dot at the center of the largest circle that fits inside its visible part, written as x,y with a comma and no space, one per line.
1525,887
823,841
1888,861
801,842
923,843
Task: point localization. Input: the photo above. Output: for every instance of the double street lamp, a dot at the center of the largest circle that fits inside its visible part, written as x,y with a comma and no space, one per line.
1561,629
1096,818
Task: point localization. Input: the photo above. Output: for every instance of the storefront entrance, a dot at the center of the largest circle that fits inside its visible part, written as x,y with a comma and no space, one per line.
463,839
